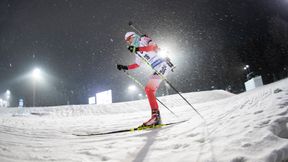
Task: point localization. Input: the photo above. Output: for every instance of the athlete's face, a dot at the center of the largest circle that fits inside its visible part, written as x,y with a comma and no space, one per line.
129,40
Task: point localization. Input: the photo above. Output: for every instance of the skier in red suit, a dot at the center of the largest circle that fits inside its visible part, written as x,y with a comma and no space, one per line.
144,47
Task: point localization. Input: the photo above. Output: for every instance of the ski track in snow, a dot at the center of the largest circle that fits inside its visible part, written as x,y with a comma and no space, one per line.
249,127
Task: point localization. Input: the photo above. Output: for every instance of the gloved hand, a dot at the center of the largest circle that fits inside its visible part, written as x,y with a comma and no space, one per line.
133,48
122,67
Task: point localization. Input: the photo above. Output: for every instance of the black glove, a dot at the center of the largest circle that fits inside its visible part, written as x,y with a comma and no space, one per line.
120,67
132,48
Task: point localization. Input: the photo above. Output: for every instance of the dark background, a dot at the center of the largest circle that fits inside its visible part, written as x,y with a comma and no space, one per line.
77,44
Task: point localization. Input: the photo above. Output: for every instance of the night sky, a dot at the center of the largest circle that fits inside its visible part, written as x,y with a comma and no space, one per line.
77,45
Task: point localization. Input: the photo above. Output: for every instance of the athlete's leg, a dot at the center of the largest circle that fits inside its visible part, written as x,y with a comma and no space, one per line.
151,89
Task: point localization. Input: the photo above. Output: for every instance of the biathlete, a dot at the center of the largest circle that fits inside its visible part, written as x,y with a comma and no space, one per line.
144,48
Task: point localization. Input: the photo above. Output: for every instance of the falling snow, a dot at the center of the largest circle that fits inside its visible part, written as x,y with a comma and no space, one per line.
79,44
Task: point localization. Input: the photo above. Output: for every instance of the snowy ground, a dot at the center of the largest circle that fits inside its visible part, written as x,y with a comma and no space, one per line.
251,126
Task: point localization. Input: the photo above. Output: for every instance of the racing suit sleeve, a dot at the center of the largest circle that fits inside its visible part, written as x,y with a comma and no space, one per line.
136,64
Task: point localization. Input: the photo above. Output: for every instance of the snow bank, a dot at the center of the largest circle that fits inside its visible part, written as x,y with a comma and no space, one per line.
251,126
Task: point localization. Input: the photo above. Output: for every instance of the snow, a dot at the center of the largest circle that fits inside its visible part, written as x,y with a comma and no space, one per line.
251,127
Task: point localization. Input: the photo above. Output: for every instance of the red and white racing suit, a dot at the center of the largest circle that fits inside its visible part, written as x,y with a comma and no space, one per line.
148,50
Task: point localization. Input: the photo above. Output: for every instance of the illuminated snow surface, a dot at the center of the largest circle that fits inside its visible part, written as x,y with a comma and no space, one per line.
251,126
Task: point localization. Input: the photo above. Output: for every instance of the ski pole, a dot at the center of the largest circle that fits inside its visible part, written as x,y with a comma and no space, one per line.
132,26
183,98
166,80
163,77
142,86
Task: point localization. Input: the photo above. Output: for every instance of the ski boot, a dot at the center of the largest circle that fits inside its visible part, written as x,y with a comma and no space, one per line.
153,121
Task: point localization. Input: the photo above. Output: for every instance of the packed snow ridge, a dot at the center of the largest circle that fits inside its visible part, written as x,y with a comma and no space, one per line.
248,127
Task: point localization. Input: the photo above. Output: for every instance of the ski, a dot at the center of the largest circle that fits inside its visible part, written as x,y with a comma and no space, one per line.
140,128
